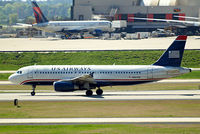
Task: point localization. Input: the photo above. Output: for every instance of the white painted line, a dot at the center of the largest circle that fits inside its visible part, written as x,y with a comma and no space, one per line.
180,81
7,72
107,96
99,120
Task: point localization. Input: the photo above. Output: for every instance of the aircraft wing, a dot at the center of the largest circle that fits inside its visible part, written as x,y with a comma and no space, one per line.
88,78
188,17
24,25
194,23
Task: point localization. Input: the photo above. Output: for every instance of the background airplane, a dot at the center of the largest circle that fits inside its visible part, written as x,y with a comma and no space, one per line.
69,27
188,17
191,23
66,78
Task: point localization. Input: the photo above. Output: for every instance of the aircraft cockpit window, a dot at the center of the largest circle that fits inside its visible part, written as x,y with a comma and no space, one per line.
19,72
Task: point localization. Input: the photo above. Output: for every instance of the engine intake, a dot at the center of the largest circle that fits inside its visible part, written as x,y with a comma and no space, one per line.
64,86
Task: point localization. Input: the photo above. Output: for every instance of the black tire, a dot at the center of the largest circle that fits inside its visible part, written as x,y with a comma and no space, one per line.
99,92
89,92
32,93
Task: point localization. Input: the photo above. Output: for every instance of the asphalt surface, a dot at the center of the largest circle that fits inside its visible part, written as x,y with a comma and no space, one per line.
35,121
107,96
49,45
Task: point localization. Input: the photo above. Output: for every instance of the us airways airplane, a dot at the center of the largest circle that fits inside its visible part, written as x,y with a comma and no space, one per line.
69,27
67,78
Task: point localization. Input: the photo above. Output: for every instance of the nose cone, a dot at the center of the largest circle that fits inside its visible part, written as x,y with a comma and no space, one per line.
12,78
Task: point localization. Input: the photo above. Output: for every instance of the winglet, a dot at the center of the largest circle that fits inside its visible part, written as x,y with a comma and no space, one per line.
91,74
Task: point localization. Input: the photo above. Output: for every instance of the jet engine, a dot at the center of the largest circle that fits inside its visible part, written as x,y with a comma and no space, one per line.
96,32
65,86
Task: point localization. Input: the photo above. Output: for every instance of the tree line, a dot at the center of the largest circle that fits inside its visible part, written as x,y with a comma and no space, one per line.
17,11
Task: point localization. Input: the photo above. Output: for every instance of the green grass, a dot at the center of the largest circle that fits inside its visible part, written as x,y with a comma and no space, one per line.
102,129
80,109
13,61
192,75
142,87
5,76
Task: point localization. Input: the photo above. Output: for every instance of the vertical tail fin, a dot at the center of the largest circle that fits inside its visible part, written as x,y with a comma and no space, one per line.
174,54
39,16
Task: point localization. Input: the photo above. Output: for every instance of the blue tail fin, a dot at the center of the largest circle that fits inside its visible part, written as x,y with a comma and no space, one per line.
174,54
39,16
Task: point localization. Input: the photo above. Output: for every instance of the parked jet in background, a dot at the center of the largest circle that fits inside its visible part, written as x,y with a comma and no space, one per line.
188,17
69,27
191,23
67,78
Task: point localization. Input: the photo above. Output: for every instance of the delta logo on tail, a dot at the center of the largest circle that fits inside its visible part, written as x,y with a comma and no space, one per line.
40,18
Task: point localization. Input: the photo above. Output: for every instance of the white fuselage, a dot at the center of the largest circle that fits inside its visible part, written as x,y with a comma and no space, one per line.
104,75
62,26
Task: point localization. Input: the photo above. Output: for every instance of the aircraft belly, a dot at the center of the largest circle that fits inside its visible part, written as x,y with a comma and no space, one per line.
116,83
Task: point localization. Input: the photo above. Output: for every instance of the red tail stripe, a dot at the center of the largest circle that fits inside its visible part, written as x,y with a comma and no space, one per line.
181,37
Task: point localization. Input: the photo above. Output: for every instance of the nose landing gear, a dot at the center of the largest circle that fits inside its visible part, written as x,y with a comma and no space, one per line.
33,92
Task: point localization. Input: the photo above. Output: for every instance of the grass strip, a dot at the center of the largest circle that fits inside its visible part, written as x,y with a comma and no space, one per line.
192,75
142,87
103,129
80,109
13,61
4,77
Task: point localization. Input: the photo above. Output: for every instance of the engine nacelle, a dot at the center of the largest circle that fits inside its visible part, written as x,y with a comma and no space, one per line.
96,32
64,86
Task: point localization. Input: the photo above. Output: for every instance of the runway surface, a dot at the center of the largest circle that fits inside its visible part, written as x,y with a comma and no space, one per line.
107,96
182,120
46,45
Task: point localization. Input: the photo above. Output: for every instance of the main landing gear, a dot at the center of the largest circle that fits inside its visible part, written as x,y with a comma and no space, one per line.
98,92
33,92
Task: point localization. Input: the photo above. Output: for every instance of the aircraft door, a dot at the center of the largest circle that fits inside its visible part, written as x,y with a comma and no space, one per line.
30,73
149,73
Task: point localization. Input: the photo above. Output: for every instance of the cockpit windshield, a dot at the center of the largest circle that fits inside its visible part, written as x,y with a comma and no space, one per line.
19,72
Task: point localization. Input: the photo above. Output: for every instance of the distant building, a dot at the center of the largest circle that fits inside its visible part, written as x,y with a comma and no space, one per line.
128,9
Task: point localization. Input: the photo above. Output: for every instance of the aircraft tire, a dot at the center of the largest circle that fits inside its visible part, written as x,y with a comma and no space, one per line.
99,91
32,93
89,92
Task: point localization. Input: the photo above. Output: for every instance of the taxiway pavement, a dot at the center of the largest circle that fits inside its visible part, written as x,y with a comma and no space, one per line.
107,96
34,44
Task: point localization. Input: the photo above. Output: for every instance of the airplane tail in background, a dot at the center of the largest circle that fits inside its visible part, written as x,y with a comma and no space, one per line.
174,54
39,16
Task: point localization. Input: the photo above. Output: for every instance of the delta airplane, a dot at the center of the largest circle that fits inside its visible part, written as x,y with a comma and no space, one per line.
66,78
69,27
